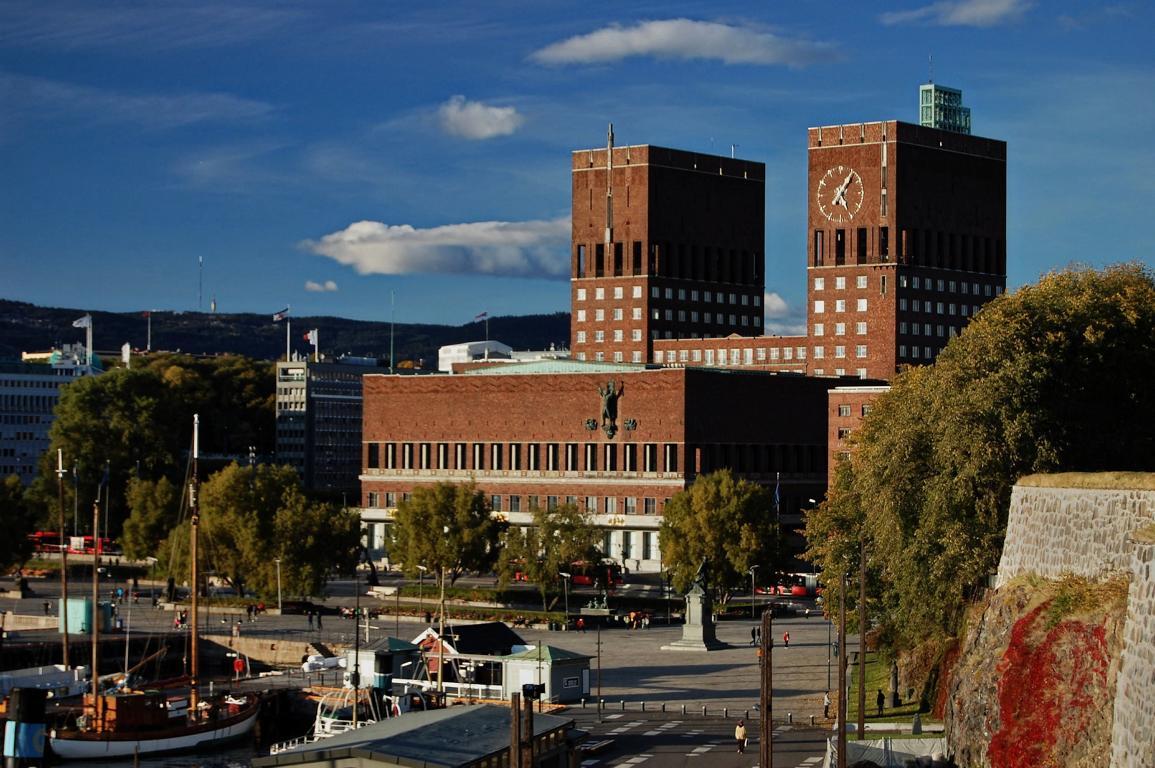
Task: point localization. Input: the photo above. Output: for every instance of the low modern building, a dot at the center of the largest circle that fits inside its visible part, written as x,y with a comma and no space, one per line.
29,392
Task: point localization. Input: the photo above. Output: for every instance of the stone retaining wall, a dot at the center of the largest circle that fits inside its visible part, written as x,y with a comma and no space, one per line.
1084,532
1092,530
1132,742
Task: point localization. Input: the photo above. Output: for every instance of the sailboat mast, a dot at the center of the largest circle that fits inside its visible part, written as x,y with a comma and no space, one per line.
194,507
94,617
63,557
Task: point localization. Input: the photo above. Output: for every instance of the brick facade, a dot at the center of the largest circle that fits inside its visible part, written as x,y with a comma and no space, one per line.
526,439
666,244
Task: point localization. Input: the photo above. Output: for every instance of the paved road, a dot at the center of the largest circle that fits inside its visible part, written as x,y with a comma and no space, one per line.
663,741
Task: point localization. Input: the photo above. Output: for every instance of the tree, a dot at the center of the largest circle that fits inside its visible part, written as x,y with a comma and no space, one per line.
722,521
1055,377
447,528
19,521
250,517
554,540
154,508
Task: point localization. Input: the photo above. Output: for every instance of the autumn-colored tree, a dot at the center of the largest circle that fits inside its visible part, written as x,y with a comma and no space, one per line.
724,522
1054,377
553,541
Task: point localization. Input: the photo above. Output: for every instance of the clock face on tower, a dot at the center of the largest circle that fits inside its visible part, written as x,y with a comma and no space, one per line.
840,194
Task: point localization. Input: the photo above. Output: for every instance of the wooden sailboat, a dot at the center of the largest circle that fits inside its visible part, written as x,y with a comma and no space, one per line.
128,723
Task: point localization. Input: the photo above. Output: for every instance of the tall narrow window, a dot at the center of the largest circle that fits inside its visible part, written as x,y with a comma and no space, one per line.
884,243
819,248
581,261
860,246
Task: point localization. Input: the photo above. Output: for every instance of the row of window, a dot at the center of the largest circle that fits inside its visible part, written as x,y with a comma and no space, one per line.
28,403
682,261
949,286
737,356
860,281
937,307
595,505
859,372
941,250
860,305
533,457
916,353
617,357
926,329
844,409
840,329
840,351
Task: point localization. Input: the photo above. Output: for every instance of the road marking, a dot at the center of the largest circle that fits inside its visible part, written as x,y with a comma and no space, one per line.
612,717
691,734
810,761
626,727
699,751
590,763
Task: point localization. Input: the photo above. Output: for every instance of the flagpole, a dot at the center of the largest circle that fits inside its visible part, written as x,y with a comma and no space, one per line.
316,345
88,336
288,325
148,346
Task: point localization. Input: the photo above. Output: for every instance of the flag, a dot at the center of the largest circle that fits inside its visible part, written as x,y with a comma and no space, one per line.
311,336
84,322
481,317
146,313
279,316
103,479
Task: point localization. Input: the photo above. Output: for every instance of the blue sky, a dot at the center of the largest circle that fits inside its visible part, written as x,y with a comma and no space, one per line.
328,155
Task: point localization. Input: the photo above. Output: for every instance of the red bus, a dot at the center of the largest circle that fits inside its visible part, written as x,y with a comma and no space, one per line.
604,575
49,541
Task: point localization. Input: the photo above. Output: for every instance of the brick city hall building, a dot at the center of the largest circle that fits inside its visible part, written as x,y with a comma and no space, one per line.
905,243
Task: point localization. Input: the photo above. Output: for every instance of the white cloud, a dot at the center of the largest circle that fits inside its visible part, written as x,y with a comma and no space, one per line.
476,120
961,13
518,249
326,287
781,319
775,305
683,39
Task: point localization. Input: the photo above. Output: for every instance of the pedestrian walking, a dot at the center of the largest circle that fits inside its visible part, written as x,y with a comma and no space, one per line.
826,706
47,607
318,621
309,615
880,700
786,639
740,736
581,624
753,635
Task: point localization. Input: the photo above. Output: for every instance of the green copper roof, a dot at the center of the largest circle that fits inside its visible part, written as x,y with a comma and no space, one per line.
552,366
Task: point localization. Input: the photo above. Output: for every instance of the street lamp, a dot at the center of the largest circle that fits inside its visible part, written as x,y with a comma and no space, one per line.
753,597
565,587
278,562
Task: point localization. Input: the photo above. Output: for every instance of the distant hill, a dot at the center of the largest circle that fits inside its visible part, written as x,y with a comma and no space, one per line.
27,327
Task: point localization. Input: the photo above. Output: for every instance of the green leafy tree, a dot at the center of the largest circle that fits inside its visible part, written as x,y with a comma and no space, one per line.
154,508
312,540
554,540
1054,377
720,520
19,521
447,528
250,517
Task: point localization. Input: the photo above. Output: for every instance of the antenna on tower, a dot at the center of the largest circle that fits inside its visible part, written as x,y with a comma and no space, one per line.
609,186
200,282
930,67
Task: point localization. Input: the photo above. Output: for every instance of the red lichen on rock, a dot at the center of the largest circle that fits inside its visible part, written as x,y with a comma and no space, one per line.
1051,681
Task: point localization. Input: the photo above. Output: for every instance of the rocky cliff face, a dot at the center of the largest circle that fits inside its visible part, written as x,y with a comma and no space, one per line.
1035,680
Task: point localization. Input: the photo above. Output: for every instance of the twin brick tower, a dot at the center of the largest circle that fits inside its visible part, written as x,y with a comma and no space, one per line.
906,233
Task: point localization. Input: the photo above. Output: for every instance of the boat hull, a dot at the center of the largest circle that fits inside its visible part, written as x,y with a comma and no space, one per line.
92,746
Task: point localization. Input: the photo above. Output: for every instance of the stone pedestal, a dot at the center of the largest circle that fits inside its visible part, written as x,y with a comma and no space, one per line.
698,633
